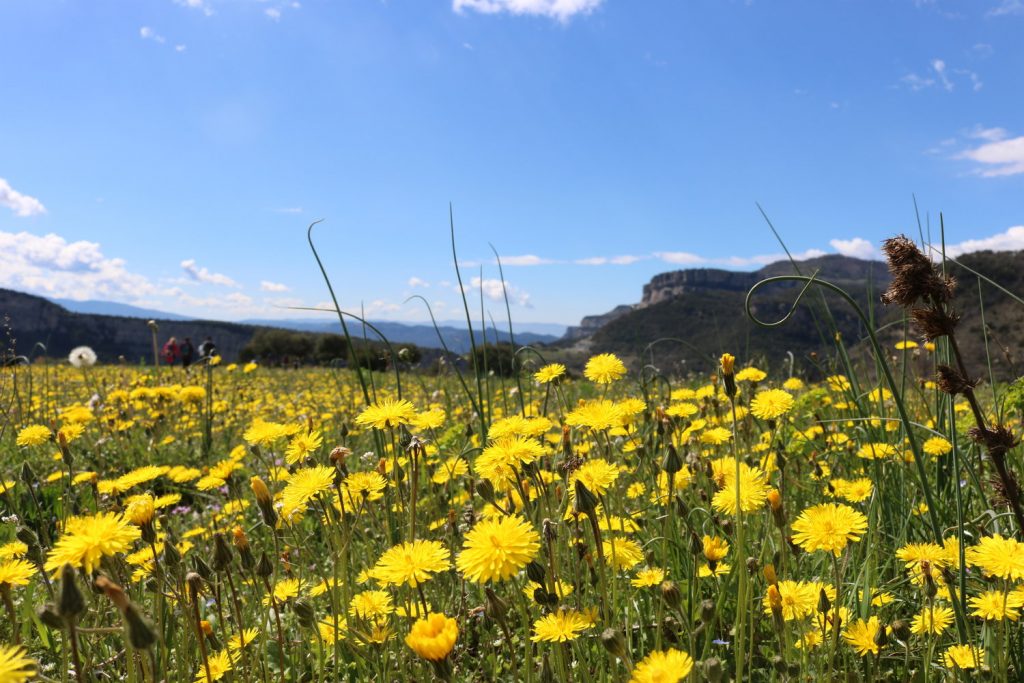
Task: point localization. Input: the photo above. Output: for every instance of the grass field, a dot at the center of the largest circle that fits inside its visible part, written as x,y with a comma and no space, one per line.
253,524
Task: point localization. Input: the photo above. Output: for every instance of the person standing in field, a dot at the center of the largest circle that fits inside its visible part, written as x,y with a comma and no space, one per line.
187,351
170,351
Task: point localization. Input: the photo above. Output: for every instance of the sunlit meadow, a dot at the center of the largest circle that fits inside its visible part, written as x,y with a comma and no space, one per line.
785,523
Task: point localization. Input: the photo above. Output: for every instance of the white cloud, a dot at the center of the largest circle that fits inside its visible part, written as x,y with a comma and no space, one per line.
525,260
290,209
939,66
562,10
147,33
52,266
1007,7
765,259
915,82
1001,156
1010,240
273,13
979,132
623,260
202,274
495,289
858,247
415,282
180,48
268,286
680,257
21,204
201,5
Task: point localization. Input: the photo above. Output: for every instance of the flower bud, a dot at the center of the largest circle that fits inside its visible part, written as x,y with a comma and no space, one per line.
901,630
613,641
140,630
264,567
671,594
264,501
203,569
241,542
172,558
824,605
671,462
586,502
713,669
881,637
72,603
195,586
486,490
494,607
49,616
769,574
536,572
304,612
221,553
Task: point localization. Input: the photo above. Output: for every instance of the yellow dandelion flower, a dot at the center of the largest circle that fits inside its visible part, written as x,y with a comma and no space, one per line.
15,665
303,486
861,635
828,527
549,373
496,549
932,620
771,404
33,435
412,563
963,657
434,637
387,414
663,666
87,540
559,627
604,368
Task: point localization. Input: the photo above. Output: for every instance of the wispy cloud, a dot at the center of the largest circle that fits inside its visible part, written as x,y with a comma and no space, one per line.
561,10
623,260
416,282
21,204
1006,7
940,74
495,290
998,155
1010,240
268,286
202,274
147,33
201,5
526,260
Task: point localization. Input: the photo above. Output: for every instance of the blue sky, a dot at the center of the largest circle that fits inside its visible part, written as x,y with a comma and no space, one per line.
170,153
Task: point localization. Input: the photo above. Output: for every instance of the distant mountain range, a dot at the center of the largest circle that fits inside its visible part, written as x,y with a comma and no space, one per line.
114,329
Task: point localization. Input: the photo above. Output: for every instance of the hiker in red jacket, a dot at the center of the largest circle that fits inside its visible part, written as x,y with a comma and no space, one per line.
170,351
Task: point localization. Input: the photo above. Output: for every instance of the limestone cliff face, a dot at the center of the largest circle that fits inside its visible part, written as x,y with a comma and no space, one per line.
669,285
593,323
714,282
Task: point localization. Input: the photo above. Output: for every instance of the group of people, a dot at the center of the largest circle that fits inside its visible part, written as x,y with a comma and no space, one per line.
174,351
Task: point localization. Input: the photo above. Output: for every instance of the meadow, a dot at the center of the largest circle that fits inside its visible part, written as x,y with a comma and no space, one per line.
805,522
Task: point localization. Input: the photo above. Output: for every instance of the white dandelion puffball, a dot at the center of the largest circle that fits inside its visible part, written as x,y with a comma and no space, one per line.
82,357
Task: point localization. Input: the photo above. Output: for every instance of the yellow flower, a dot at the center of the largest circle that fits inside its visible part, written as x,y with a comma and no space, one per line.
771,403
998,556
220,664
753,490
371,604
599,415
496,549
263,433
450,469
387,414
596,474
876,451
622,553
828,527
932,620
434,637
301,445
750,374
855,491
141,510
303,486
798,599
861,635
715,549
364,486
963,657
34,435
242,640
937,446
86,540
604,368
997,605
411,563
559,627
16,572
663,666
15,666
549,373
284,590
497,461
648,576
